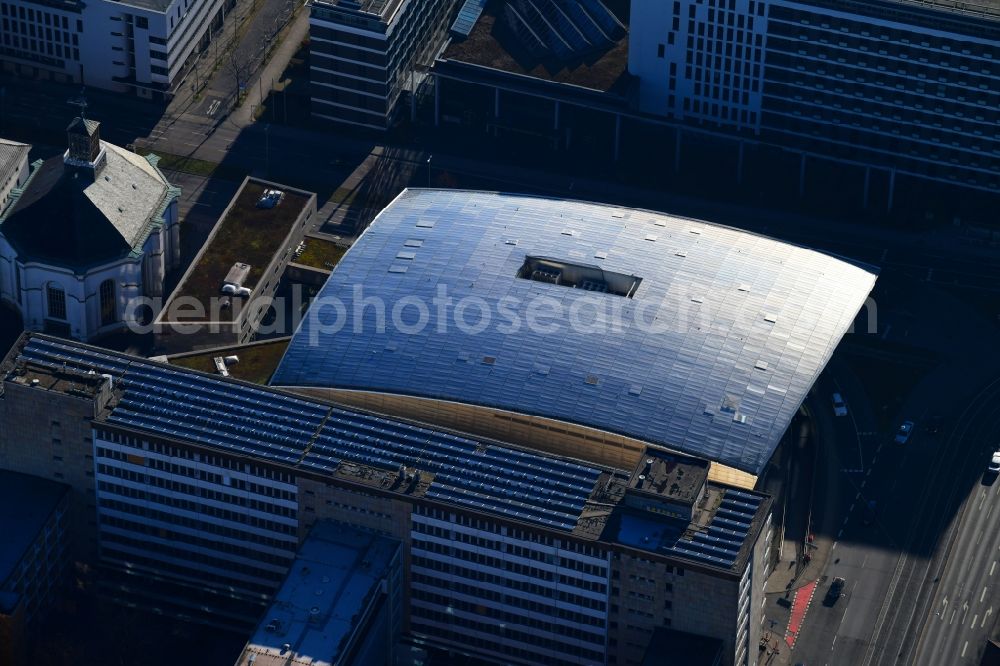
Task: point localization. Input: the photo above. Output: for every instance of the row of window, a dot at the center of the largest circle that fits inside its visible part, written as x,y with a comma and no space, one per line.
480,592
56,302
207,459
193,558
200,507
455,624
38,16
517,533
485,576
113,547
511,620
289,543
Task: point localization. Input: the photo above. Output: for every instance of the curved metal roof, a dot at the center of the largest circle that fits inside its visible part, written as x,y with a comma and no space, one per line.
694,336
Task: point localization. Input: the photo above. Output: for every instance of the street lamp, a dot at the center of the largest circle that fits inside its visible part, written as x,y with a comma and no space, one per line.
429,158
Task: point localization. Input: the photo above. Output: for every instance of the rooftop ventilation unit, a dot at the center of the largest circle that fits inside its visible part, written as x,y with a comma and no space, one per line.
270,198
233,282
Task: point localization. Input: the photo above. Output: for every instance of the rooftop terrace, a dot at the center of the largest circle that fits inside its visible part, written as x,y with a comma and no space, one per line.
245,234
397,456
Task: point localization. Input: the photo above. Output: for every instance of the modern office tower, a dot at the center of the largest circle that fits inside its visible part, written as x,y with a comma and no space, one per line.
140,47
893,86
365,55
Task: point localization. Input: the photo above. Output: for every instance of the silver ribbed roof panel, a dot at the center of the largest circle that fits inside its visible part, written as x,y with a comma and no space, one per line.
712,355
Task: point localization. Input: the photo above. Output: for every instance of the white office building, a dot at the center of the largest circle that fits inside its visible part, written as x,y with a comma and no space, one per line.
365,55
139,46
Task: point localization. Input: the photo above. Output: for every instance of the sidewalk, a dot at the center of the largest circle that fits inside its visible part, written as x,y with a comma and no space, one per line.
260,86
792,586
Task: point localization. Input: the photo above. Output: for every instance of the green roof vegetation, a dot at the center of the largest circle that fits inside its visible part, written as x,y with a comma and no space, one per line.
246,234
321,253
257,361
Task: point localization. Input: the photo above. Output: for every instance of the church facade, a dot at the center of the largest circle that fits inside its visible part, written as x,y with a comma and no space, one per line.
87,234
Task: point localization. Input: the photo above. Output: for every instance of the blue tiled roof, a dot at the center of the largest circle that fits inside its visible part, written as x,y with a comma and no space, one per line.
270,425
711,355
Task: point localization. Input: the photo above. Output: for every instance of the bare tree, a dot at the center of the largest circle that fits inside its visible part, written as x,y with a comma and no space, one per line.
240,65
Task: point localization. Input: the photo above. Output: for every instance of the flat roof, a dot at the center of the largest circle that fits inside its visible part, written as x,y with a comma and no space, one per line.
384,11
245,234
709,351
723,527
257,360
678,478
489,45
336,574
319,437
476,474
26,503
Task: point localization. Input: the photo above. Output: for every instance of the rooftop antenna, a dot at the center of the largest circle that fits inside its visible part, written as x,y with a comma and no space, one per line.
81,102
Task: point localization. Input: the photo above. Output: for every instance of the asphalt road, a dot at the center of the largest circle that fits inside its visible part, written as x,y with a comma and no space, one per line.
890,559
963,611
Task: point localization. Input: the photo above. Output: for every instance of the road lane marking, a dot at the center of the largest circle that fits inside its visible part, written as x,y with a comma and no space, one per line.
953,614
964,648
992,568
983,595
986,616
975,618
851,510
840,533
979,538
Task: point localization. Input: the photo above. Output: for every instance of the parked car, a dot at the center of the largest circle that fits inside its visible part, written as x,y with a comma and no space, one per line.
994,465
839,408
835,592
904,432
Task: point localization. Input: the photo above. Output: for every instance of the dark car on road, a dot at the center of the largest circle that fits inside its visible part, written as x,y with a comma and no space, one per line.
835,592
